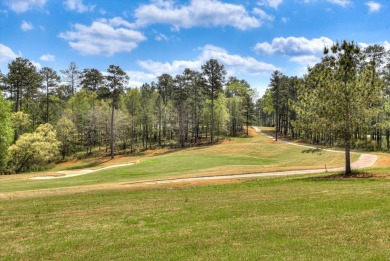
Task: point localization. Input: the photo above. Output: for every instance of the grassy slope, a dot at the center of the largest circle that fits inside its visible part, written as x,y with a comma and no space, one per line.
292,218
242,155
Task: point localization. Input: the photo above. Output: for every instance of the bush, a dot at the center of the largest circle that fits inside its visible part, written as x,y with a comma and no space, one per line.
34,151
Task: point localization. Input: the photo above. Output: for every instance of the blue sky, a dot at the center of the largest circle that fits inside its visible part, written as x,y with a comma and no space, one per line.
148,38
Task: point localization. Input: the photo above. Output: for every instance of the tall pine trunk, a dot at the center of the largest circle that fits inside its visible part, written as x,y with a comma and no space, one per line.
112,129
348,170
212,119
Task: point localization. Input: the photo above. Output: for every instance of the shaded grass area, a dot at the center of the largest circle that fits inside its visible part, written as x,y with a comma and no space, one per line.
242,155
84,165
295,218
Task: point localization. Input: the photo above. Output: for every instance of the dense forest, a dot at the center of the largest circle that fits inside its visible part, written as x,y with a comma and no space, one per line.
48,116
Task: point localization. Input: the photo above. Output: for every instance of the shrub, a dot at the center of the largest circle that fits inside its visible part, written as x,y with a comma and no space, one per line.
34,150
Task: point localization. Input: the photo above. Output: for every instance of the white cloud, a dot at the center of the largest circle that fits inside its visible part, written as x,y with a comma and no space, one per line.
271,3
234,64
284,20
37,64
103,37
20,6
263,15
343,3
386,44
363,45
78,6
6,54
306,60
161,37
176,67
116,21
206,13
373,7
26,26
137,78
293,46
48,58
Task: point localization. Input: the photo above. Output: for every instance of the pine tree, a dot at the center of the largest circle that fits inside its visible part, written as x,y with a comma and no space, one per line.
116,80
214,75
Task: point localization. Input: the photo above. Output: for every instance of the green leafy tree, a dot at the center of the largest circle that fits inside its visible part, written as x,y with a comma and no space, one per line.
180,95
241,105
214,75
23,81
267,108
6,130
116,80
375,64
279,84
79,109
34,150
338,96
196,99
248,107
91,79
148,98
133,106
66,130
221,115
21,122
50,80
72,77
164,89
123,128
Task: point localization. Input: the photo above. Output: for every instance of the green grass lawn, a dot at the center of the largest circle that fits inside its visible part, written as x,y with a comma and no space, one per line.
290,218
283,218
241,155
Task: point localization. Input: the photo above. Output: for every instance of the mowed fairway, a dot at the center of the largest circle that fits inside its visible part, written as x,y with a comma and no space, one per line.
240,155
305,217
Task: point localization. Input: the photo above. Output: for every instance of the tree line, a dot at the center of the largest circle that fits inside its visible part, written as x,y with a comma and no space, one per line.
341,101
48,116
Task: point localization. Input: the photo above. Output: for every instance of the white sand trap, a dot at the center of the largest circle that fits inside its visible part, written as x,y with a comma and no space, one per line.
79,172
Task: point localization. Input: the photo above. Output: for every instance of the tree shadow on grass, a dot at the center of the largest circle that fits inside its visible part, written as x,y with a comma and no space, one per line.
341,176
87,165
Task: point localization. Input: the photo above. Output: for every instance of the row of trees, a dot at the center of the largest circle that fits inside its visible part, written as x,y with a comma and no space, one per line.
343,100
90,110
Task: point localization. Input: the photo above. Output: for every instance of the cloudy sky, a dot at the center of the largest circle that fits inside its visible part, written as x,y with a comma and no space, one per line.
151,37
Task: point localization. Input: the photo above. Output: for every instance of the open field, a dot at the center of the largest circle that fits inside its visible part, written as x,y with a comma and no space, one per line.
240,155
295,218
101,216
